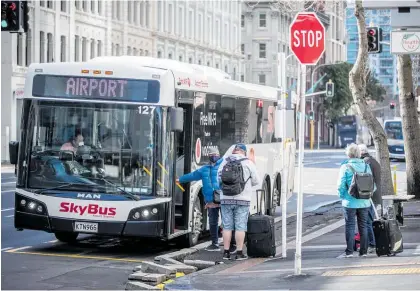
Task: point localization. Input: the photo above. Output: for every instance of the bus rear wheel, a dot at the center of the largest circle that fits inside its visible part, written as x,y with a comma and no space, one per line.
67,237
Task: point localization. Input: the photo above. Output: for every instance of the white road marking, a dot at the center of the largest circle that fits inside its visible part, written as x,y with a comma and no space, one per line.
417,251
9,216
7,209
4,191
310,195
5,249
18,249
314,163
50,242
279,218
5,183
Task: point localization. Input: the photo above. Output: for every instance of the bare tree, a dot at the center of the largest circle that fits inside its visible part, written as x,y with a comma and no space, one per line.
357,82
410,122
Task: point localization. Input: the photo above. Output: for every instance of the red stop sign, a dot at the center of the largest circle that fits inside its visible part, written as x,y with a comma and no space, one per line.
307,38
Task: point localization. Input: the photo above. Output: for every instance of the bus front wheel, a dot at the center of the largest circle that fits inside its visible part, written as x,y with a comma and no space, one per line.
67,237
191,239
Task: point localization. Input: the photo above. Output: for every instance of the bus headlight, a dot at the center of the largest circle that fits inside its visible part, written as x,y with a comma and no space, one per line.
25,204
153,213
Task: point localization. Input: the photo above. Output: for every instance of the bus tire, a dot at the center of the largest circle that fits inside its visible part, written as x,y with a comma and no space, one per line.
192,238
275,201
67,237
263,205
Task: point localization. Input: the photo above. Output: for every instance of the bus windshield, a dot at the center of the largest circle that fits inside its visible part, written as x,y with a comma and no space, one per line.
95,147
393,130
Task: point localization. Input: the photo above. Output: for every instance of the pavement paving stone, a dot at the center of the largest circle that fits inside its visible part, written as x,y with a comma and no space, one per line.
136,285
147,277
151,267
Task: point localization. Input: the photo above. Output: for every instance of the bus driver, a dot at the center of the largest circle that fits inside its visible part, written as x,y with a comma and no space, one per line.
74,143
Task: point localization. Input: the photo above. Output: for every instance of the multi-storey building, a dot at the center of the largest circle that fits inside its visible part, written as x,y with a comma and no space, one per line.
201,32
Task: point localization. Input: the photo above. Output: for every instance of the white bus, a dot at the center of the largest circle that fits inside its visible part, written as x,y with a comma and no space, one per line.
102,143
394,132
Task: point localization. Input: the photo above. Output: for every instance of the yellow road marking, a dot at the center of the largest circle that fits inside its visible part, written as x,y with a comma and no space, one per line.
15,251
369,272
162,285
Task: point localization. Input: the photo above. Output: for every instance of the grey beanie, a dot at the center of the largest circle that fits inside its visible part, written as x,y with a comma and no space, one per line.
213,151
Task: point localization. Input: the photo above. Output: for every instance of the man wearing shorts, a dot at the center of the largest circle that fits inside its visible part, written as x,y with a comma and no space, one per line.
235,208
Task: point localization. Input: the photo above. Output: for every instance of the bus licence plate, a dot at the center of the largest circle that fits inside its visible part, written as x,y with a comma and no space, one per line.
86,227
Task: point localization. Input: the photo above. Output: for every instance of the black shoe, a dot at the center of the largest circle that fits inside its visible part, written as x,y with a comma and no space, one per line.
232,249
240,256
213,248
226,255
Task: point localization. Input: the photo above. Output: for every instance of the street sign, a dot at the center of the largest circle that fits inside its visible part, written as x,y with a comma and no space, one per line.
405,42
307,40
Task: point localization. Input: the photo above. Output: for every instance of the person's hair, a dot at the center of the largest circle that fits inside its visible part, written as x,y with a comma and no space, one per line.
363,149
352,151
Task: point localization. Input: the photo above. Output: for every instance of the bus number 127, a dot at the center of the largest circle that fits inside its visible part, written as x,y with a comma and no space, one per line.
146,110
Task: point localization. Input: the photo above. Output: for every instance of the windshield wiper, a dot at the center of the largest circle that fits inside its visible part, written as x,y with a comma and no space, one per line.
40,191
116,186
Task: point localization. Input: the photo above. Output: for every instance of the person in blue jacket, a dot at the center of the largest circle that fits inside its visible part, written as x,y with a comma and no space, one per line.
208,175
354,207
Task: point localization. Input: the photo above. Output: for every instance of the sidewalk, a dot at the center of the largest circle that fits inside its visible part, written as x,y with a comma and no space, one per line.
322,265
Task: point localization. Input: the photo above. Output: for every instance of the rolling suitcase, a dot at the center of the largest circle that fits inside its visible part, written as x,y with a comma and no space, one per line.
388,236
261,239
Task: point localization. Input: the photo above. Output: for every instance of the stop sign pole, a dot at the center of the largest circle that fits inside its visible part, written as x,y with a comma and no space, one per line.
307,42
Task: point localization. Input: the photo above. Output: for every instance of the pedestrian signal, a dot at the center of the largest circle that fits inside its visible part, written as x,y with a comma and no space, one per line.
374,35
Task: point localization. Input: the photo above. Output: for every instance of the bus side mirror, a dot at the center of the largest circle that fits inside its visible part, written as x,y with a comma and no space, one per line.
13,152
177,119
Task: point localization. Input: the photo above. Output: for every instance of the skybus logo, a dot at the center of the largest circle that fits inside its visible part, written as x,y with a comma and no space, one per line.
92,209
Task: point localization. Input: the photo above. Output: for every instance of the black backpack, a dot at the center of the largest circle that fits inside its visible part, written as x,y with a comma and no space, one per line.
362,184
232,177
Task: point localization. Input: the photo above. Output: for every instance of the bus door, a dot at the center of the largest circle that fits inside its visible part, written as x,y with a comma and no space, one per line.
183,160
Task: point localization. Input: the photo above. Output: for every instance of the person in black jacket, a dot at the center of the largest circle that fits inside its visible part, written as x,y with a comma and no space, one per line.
377,197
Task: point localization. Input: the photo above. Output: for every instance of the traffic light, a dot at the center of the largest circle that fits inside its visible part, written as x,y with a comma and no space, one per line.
374,35
25,9
311,115
10,16
392,105
329,89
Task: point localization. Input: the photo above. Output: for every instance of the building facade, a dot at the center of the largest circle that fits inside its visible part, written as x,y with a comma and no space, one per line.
206,32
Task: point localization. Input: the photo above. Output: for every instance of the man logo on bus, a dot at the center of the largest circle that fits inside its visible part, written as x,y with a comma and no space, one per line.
198,151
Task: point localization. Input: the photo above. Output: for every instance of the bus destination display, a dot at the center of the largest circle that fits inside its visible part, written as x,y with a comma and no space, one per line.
75,87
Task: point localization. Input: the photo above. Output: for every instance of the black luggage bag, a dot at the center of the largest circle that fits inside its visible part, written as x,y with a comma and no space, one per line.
261,239
388,236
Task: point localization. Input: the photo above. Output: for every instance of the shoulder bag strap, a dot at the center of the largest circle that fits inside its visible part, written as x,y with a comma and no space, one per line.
351,168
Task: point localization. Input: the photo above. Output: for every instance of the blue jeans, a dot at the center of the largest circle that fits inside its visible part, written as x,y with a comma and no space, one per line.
214,226
362,223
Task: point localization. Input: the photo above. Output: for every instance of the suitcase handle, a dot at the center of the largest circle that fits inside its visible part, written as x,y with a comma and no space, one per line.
374,209
259,205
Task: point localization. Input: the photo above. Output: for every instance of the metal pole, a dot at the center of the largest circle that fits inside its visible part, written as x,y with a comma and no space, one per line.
319,130
298,254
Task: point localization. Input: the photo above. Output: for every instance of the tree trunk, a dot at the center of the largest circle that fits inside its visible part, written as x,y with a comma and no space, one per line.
357,82
410,122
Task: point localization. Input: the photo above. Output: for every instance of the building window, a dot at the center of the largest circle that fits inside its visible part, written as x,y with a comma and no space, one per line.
63,48
199,62
243,49
19,50
208,64
159,54
261,79
84,5
263,54
242,78
146,53
170,19
100,7
117,50
42,46
92,6
128,51
263,20
170,56
92,48
190,60
134,51
42,3
234,73
242,20
63,6
76,48
50,48
190,24
129,9
226,68
99,47
147,5
159,15
217,65
28,47
180,58
84,41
